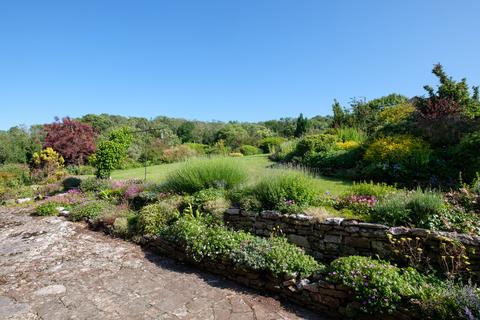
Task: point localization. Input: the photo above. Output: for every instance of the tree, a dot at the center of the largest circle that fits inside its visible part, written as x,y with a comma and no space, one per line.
451,95
233,134
185,131
111,152
74,140
340,115
301,126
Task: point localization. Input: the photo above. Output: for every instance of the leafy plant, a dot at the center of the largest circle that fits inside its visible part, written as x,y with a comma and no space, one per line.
89,210
248,150
377,285
48,209
94,185
153,217
111,151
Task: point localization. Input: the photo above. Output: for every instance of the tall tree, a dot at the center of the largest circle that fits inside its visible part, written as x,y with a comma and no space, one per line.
74,140
301,125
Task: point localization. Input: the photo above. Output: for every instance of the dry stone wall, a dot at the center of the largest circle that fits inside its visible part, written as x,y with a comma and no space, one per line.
336,237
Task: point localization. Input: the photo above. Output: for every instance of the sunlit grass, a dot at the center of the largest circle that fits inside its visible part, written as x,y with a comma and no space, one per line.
256,166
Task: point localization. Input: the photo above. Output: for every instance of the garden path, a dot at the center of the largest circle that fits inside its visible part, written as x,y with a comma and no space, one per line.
53,269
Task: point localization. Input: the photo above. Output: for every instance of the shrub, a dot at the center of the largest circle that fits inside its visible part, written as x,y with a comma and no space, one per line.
201,174
153,217
270,144
94,185
178,153
48,209
286,191
392,211
244,198
377,285
423,209
285,151
80,170
47,165
248,150
396,114
315,143
469,152
378,190
397,157
210,201
89,210
110,152
71,183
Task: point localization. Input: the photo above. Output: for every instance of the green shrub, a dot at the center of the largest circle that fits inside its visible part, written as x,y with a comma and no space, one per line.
270,144
48,209
422,209
71,183
285,152
89,210
244,198
94,185
203,241
248,150
286,191
80,170
210,201
392,211
153,217
378,190
199,174
315,143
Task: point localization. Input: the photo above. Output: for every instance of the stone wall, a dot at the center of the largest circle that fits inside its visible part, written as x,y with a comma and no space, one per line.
314,293
335,237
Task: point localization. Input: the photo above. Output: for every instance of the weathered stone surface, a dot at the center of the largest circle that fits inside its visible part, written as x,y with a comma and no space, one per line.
54,269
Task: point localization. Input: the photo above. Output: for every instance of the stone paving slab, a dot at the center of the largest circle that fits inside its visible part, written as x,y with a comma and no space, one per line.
53,269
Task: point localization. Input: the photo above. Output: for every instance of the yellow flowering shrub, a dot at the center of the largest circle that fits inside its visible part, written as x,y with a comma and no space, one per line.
47,165
397,113
399,150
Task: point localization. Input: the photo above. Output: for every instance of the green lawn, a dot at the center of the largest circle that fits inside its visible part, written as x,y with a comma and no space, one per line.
257,166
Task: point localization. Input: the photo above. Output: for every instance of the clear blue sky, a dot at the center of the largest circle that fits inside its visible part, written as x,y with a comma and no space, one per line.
242,60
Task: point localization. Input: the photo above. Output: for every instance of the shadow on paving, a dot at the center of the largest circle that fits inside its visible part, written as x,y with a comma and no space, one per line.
222,282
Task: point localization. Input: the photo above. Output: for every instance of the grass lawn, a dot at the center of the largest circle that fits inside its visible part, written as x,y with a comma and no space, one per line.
257,166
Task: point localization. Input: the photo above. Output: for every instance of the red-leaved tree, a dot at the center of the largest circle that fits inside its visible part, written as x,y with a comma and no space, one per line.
74,140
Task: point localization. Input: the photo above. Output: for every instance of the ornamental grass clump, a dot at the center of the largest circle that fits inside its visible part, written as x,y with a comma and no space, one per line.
287,192
199,174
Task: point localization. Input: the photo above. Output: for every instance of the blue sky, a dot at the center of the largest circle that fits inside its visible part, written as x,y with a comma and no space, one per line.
224,60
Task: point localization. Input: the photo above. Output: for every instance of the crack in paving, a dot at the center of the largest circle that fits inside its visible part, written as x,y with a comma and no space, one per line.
61,270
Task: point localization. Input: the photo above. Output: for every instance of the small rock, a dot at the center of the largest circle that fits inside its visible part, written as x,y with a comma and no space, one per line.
23,200
50,290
